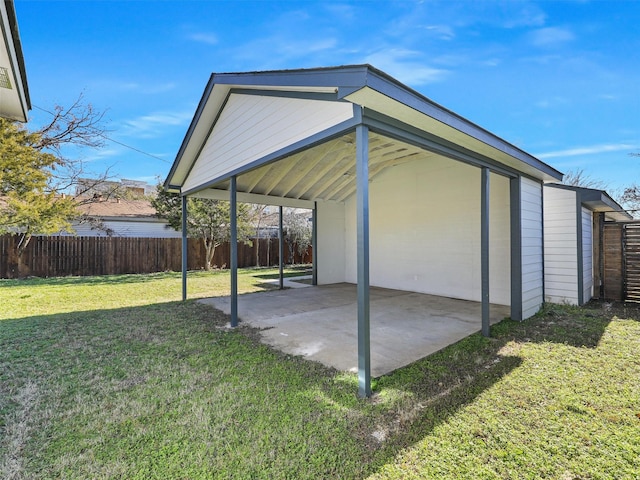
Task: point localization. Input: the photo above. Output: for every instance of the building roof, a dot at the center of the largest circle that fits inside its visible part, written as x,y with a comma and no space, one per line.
113,208
597,201
14,91
246,122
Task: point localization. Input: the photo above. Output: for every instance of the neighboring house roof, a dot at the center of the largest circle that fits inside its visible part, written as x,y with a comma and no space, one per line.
597,201
120,209
122,218
113,208
261,124
14,91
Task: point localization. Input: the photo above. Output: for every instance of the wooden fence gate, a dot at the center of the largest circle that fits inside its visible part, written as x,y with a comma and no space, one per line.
621,262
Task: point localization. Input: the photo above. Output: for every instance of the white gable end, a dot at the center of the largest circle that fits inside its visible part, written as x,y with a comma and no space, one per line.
252,126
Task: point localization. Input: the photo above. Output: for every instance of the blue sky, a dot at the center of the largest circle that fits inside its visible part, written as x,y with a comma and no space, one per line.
559,79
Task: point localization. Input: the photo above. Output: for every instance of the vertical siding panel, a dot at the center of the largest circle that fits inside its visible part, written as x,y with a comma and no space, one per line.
560,246
532,267
587,254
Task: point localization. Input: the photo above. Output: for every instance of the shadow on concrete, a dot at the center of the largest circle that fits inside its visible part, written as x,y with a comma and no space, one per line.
320,323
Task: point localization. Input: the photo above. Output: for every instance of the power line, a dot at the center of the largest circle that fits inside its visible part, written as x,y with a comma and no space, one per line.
106,137
135,149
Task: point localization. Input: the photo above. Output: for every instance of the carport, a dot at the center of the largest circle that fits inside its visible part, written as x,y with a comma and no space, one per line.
406,195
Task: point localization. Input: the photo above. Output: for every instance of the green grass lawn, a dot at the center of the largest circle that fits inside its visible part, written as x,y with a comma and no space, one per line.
113,377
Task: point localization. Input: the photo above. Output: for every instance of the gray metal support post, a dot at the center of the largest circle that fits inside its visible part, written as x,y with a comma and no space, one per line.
580,263
362,207
314,244
233,214
601,254
280,249
484,248
516,248
185,252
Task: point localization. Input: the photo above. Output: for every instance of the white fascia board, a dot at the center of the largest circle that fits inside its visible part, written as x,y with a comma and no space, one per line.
410,108
209,108
219,194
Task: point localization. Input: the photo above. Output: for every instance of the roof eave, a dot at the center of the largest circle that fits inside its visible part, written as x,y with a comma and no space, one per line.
17,44
346,80
596,200
352,76
168,185
391,87
13,45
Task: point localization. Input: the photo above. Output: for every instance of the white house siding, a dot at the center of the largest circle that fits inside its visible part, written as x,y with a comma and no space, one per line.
330,242
587,254
128,229
251,127
425,231
560,246
532,267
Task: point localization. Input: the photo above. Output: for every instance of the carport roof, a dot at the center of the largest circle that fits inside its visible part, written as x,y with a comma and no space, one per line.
404,124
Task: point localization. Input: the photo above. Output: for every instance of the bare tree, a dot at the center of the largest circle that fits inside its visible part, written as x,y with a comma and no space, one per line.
35,175
578,178
630,196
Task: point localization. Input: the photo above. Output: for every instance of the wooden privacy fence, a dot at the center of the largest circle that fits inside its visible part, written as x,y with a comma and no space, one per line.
612,272
63,256
621,262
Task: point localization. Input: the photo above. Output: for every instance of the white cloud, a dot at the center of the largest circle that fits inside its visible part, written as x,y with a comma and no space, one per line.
550,36
154,124
341,11
524,15
403,65
589,150
101,154
204,37
443,32
307,46
491,62
142,88
551,102
284,49
152,89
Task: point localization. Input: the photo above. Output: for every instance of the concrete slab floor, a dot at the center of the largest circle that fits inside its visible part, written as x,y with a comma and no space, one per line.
320,323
